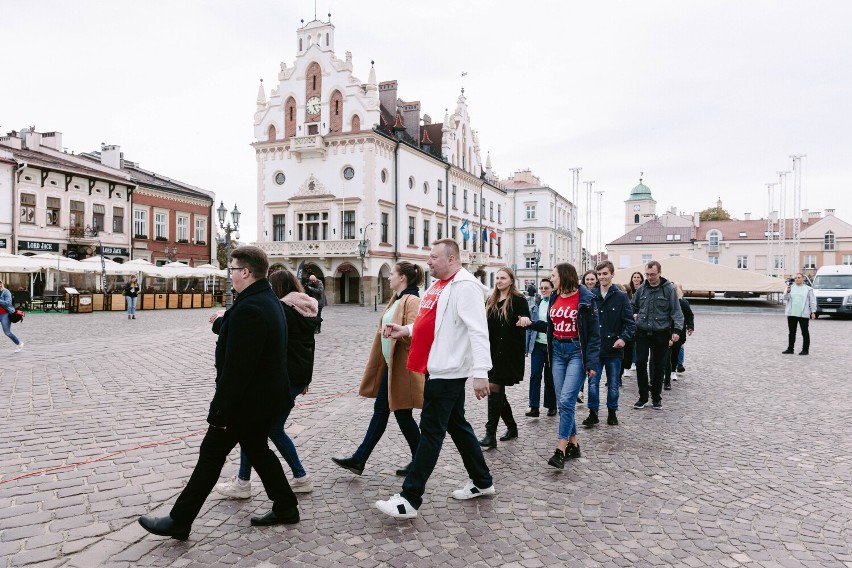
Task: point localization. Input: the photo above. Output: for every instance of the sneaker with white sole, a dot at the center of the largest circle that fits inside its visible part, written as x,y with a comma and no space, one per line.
234,488
19,347
397,507
471,491
304,484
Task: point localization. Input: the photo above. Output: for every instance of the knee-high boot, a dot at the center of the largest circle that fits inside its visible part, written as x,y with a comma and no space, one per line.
508,420
495,405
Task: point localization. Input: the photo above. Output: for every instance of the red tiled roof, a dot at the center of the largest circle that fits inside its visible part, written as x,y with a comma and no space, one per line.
653,232
754,229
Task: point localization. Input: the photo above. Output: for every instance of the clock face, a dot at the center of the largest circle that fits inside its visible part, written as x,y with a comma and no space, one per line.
637,207
313,106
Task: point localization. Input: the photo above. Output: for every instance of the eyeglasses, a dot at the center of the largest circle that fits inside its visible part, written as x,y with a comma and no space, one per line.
651,273
236,268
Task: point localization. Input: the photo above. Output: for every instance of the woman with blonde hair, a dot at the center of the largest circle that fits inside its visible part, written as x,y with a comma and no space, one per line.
386,376
503,308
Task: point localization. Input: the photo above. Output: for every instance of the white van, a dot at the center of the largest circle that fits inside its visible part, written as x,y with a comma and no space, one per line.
833,290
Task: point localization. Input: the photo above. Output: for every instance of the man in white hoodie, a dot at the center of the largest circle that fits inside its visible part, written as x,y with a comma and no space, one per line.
449,342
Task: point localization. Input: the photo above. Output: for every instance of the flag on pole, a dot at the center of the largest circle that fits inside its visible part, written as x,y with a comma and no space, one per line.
484,234
103,271
492,234
464,230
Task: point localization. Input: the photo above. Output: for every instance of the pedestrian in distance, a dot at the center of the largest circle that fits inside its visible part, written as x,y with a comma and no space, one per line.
7,308
574,341
504,308
800,307
316,290
677,348
449,343
131,292
659,320
300,311
252,391
386,377
537,351
617,326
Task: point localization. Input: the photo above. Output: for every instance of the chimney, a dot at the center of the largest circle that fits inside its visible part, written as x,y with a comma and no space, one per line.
11,140
387,95
829,212
805,216
747,216
32,139
696,219
411,117
111,156
52,140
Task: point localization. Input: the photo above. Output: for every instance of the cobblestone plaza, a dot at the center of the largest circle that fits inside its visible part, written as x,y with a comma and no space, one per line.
749,464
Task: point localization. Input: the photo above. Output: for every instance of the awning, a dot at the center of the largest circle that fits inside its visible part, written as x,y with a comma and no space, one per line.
696,275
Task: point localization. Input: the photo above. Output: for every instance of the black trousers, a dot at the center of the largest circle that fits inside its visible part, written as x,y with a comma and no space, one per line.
674,352
792,321
653,346
215,447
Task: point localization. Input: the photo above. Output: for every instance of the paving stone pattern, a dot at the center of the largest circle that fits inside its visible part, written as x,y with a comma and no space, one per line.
748,464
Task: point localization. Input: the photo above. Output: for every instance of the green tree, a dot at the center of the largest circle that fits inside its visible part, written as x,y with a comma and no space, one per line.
714,214
221,257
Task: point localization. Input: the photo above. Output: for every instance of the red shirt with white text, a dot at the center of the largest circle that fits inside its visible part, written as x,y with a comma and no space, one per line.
563,314
423,331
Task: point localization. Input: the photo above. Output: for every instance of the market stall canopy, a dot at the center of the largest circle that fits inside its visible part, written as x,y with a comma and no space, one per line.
210,270
180,270
700,275
18,263
61,263
112,268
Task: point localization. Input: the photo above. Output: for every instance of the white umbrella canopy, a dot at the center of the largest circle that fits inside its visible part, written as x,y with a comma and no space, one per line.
210,270
696,275
142,266
62,263
180,270
112,268
19,263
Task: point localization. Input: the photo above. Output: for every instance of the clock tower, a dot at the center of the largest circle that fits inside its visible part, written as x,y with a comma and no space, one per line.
639,207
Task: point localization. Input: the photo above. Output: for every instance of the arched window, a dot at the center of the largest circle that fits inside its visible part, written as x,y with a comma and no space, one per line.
313,89
356,123
828,241
290,118
713,238
335,121
636,218
270,133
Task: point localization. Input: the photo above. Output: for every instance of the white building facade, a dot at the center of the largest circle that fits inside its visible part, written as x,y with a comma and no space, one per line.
342,163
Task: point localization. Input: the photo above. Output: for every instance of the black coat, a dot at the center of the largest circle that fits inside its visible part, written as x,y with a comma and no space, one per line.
301,343
251,360
615,315
508,343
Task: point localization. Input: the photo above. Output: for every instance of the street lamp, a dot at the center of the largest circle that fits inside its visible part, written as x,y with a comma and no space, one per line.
536,260
224,238
170,257
362,252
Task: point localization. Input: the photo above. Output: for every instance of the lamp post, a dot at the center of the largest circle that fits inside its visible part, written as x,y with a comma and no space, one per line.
362,252
170,257
224,238
536,259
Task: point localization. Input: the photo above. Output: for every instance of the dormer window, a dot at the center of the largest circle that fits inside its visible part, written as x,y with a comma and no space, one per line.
638,237
743,234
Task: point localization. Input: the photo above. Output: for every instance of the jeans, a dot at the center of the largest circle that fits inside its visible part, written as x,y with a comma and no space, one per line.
131,305
443,413
7,329
655,345
217,444
379,421
613,377
281,440
680,356
568,378
792,322
539,368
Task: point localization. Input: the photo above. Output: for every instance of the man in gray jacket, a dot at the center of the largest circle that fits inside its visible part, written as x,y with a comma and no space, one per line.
658,320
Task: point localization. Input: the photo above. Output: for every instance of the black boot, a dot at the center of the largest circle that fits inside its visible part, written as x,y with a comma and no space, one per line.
508,420
495,405
592,419
611,418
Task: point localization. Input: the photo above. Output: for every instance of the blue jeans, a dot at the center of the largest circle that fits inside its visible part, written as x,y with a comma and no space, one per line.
680,356
568,378
613,377
443,413
7,329
282,441
379,421
539,369
131,305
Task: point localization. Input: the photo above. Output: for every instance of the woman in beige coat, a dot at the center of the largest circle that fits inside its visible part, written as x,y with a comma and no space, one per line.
386,377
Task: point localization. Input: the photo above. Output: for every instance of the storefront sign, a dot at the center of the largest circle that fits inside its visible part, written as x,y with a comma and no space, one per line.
39,246
116,251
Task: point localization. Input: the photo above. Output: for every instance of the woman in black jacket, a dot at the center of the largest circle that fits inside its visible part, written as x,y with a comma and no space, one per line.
300,310
508,350
674,350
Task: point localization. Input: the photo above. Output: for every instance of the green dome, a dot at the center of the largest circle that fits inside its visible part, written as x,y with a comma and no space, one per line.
640,193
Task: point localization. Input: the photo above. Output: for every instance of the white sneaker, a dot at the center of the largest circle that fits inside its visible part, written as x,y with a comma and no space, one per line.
234,488
19,347
397,507
674,376
471,491
628,372
302,484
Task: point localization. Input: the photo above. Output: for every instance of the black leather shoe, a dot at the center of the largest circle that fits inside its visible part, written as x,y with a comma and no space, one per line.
787,352
286,517
510,434
533,413
558,459
403,472
612,418
591,420
803,352
488,441
667,386
165,526
551,412
351,464
572,451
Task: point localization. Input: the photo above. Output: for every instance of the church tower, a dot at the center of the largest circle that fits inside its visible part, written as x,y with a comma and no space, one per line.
639,207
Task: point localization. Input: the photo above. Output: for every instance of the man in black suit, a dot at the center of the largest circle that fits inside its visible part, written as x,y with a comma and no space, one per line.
252,390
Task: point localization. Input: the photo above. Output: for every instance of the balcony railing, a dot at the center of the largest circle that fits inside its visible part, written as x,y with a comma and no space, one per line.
87,232
713,248
307,145
347,248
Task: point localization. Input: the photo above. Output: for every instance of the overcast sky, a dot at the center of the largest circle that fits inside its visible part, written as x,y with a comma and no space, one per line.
708,98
